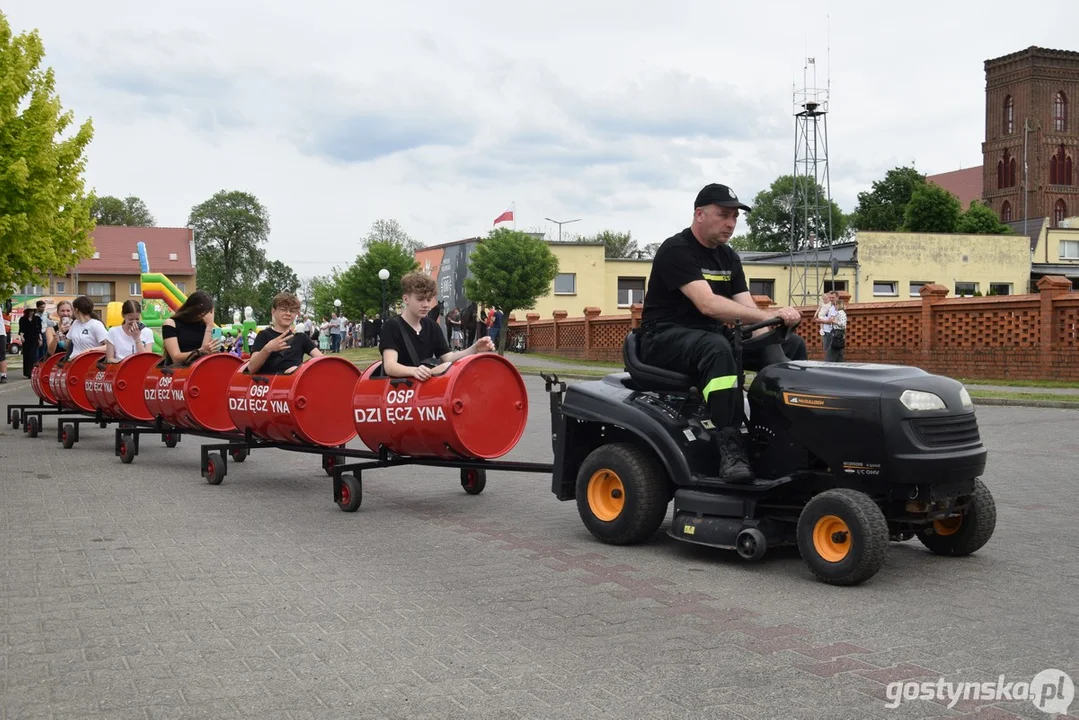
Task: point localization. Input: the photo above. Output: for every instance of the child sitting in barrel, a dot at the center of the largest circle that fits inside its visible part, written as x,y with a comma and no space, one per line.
413,345
278,349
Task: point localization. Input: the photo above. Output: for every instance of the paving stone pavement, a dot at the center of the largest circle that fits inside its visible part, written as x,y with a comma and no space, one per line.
140,591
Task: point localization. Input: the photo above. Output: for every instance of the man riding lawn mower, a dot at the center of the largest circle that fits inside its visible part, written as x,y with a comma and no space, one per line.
837,459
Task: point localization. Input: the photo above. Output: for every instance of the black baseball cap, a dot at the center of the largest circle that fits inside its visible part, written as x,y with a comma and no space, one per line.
716,194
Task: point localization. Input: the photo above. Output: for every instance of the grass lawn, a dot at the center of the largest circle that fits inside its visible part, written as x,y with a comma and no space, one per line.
1024,396
1022,383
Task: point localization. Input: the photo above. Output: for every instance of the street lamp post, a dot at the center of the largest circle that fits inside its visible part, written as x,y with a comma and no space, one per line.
384,275
560,223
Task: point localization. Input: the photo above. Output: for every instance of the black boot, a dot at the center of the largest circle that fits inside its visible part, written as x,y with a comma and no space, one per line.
733,463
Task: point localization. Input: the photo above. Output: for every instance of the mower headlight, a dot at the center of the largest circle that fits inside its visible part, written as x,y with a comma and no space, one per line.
921,400
964,397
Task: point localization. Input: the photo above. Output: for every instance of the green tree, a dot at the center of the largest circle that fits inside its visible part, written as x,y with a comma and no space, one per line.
231,229
319,294
883,208
510,271
775,209
979,219
131,211
359,287
390,231
932,209
615,244
45,221
277,277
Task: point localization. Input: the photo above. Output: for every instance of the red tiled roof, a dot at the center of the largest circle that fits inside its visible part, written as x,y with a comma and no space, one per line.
116,246
965,184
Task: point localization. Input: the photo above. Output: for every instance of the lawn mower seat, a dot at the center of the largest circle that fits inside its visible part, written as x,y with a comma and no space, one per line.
651,377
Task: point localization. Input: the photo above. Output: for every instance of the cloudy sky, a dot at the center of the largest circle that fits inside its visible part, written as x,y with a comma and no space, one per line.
442,114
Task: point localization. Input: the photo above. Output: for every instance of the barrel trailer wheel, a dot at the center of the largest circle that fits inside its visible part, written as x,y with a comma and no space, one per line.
67,436
31,426
127,449
473,480
170,440
238,454
215,468
16,418
843,537
351,493
622,494
329,462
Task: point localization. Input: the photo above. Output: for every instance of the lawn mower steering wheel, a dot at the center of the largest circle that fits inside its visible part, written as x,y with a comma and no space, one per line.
776,336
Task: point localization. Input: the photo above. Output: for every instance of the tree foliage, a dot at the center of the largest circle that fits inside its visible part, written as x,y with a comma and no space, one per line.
775,209
979,219
932,209
359,287
510,271
277,277
615,244
390,231
883,208
231,229
45,221
131,211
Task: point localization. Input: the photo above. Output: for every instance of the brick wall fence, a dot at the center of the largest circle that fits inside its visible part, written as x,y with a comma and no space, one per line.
1028,337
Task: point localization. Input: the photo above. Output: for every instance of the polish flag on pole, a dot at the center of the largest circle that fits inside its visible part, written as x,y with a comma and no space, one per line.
504,217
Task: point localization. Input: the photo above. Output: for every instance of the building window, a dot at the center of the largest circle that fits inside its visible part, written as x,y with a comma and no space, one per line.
885,287
916,287
565,284
835,286
1000,288
1060,211
1009,115
1060,112
966,289
182,287
1006,172
34,290
99,292
133,289
1006,212
1060,168
763,287
1069,249
630,291
61,287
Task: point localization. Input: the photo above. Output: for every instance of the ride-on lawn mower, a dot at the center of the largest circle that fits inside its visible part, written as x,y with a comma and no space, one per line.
847,456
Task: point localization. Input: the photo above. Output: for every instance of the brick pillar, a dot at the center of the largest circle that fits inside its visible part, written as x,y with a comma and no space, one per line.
590,314
558,315
529,319
1049,287
635,312
931,295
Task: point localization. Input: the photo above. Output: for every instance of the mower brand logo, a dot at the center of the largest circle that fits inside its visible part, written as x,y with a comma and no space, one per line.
815,402
1051,691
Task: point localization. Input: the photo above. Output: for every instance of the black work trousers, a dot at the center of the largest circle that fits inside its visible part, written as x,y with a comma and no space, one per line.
708,358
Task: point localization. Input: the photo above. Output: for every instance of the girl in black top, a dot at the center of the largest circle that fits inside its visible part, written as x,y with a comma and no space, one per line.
190,328
30,329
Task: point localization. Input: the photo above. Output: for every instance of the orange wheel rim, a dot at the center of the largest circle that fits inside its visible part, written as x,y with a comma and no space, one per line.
606,495
948,526
831,538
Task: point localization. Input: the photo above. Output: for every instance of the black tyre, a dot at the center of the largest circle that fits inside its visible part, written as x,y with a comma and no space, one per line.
127,450
16,418
67,436
215,468
843,537
170,440
966,533
33,424
329,462
473,480
622,494
238,454
351,494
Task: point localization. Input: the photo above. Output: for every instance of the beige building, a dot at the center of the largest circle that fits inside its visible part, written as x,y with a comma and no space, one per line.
875,267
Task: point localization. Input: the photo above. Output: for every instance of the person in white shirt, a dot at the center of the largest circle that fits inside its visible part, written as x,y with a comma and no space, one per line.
131,337
87,332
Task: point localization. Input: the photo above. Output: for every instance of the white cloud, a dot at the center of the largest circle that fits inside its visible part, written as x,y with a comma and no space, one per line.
442,114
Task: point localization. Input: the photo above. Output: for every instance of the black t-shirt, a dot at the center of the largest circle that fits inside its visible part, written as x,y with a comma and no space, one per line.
189,335
299,344
429,342
680,260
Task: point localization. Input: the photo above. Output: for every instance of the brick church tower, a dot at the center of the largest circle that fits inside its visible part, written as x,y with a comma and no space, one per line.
1032,112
